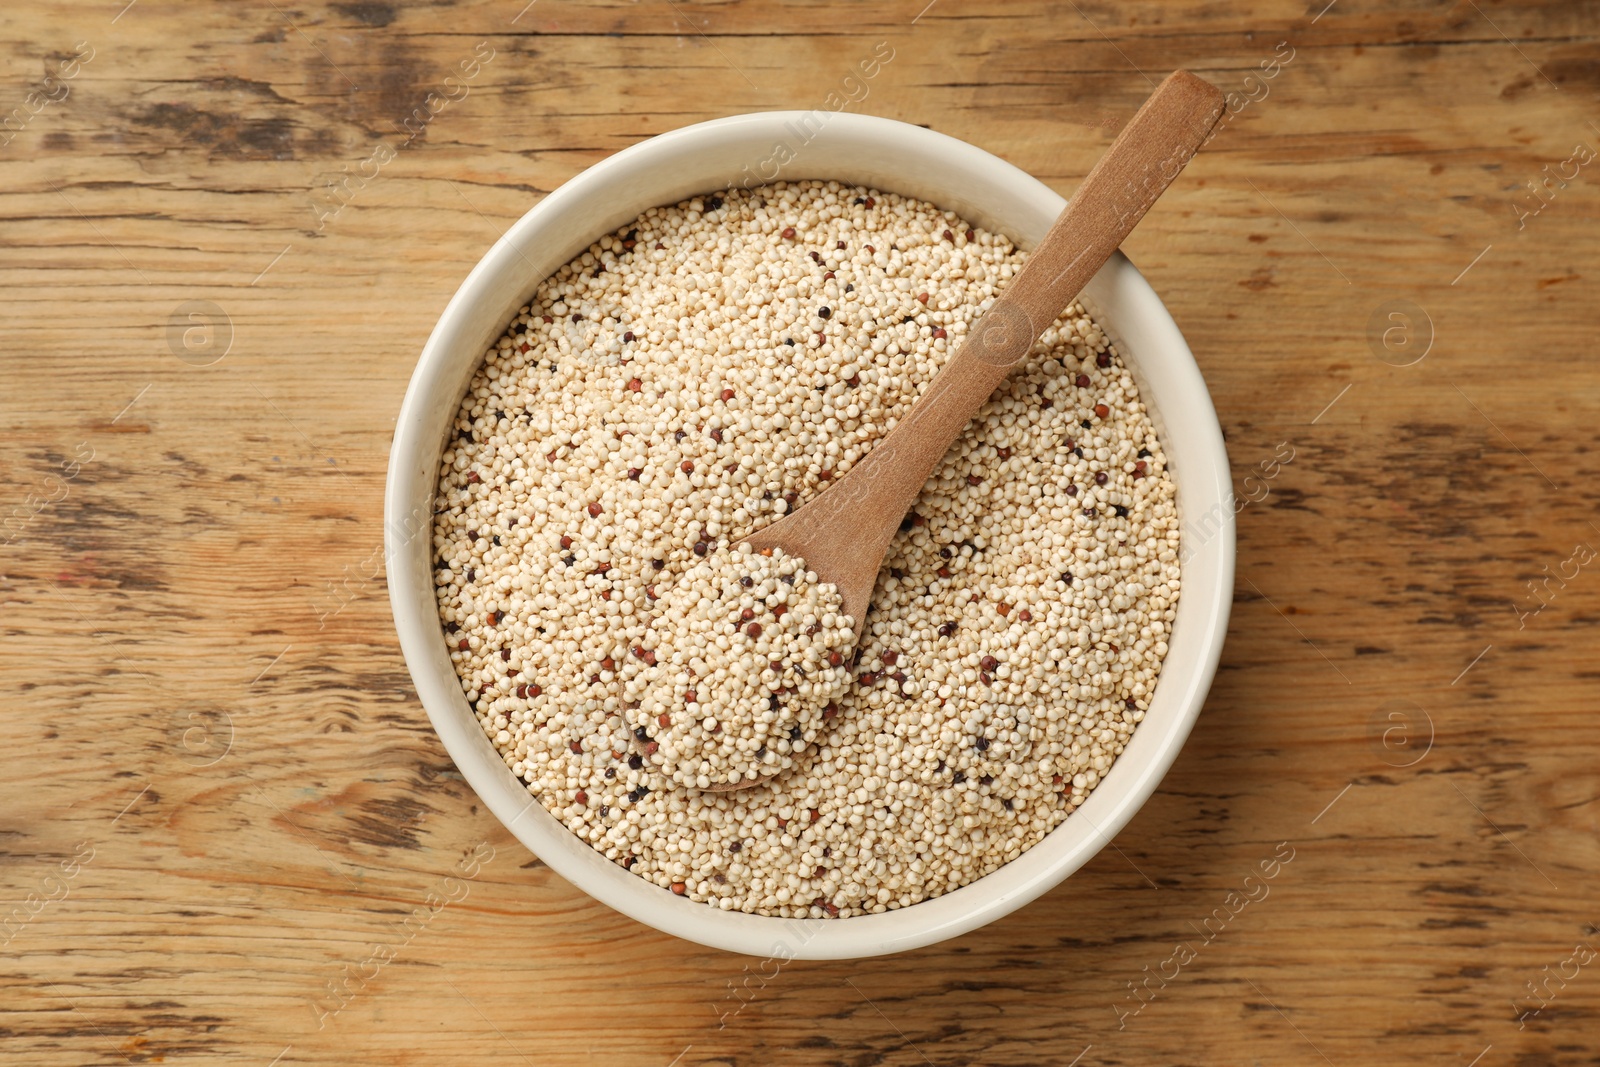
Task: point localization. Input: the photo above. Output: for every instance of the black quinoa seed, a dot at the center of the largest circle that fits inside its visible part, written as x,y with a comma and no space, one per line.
641,734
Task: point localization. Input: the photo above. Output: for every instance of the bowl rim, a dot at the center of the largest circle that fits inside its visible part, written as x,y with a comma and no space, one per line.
1201,472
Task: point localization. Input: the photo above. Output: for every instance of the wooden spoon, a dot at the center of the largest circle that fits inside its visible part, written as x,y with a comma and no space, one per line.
844,532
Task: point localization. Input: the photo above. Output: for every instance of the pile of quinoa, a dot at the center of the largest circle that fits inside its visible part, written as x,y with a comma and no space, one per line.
744,656
696,375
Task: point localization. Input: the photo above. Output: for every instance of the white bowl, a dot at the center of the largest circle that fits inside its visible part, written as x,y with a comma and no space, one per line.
887,155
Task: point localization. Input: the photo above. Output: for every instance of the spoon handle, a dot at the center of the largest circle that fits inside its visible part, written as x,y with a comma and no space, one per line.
846,530
1149,153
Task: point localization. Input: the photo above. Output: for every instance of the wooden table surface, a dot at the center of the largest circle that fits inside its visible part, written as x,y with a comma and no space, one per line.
227,231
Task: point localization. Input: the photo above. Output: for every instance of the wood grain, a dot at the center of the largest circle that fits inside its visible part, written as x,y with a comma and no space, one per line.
227,833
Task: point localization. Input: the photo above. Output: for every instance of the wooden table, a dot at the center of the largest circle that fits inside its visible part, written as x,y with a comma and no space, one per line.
227,233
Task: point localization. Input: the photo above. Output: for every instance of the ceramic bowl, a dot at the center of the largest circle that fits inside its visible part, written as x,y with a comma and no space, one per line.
887,155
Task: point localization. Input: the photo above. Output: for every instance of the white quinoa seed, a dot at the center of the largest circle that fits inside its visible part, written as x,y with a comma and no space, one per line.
688,380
